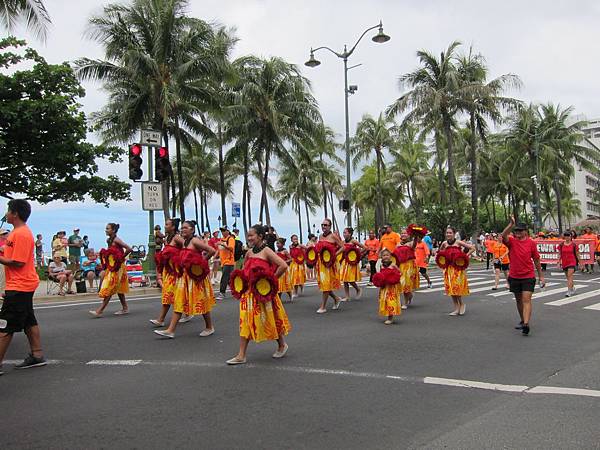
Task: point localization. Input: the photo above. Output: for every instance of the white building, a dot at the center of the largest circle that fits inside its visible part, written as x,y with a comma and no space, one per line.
584,184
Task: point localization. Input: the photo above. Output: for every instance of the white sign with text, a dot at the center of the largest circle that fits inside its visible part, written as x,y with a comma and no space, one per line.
152,198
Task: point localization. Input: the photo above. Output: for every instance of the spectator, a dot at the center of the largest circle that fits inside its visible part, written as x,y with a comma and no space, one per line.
39,251
59,246
3,236
85,244
159,238
389,238
21,282
372,245
90,266
271,238
57,271
226,255
75,244
215,262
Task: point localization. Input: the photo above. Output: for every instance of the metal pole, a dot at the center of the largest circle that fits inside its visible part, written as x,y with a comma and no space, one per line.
348,183
538,222
151,243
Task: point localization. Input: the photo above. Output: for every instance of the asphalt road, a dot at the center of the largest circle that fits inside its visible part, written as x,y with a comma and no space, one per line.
348,381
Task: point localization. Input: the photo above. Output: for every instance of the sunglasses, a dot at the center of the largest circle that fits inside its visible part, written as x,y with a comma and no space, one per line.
325,225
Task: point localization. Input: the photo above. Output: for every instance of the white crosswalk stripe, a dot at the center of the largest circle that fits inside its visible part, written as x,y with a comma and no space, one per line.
595,307
507,292
439,289
560,290
574,298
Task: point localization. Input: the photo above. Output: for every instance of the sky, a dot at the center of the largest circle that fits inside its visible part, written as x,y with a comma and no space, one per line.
552,46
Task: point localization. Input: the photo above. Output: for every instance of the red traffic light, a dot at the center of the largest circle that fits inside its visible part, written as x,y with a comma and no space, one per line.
163,152
136,149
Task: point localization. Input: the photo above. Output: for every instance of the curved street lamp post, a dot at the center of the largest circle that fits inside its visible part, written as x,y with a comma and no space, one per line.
379,38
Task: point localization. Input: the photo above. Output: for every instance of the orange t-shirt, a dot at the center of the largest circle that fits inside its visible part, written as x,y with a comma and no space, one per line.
19,247
421,254
499,250
226,257
390,241
591,237
489,245
373,247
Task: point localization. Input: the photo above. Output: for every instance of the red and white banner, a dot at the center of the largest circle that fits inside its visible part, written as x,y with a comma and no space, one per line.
549,252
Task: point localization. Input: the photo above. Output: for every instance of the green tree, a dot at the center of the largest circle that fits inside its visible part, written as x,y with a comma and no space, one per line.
43,153
32,12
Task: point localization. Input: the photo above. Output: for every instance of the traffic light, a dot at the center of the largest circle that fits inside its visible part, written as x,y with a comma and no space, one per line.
162,164
135,162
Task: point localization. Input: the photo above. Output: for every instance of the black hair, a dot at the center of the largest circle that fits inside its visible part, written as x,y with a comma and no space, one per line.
294,235
20,207
349,230
260,230
282,240
191,223
85,236
310,236
114,226
451,228
175,221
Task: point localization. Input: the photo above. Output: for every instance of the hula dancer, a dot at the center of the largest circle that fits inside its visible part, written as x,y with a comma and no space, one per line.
328,277
388,282
262,316
407,265
310,265
350,265
285,282
115,279
193,292
453,260
165,269
297,268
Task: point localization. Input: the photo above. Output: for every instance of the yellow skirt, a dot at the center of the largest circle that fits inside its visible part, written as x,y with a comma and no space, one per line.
114,283
409,276
201,298
180,301
389,301
349,273
455,282
262,321
297,273
285,282
168,287
328,278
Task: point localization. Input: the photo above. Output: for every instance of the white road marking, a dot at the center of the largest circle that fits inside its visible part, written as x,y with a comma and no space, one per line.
475,384
507,292
19,361
574,298
96,302
563,391
439,289
560,290
595,307
114,362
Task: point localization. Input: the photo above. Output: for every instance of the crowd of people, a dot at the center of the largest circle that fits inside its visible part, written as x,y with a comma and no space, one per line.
264,268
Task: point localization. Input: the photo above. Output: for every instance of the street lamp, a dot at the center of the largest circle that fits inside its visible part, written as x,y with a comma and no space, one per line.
379,38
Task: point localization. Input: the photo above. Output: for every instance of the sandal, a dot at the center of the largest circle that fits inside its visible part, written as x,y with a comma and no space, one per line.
61,294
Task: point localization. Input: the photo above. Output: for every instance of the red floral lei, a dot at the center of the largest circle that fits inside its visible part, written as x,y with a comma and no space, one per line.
327,253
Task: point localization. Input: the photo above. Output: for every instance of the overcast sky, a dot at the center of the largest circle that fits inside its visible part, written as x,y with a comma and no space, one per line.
553,46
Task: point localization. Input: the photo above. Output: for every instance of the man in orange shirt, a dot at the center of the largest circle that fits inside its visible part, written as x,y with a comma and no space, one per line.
422,258
389,239
501,262
21,282
589,268
490,243
226,255
372,245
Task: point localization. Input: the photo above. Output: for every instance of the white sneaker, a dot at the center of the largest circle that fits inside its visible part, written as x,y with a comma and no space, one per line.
321,311
462,310
336,305
185,318
95,314
207,332
157,323
359,294
453,313
121,312
165,333
404,307
280,354
234,361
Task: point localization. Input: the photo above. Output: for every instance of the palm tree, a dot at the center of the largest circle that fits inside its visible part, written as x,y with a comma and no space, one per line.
159,69
373,136
272,108
32,12
325,146
482,100
432,102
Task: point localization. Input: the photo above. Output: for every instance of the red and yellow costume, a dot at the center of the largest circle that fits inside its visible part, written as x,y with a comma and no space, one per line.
349,267
454,262
193,291
328,277
115,279
297,269
261,321
285,280
168,273
409,272
388,281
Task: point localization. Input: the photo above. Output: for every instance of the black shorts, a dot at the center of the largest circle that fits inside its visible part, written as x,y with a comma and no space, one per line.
502,267
518,285
423,270
17,310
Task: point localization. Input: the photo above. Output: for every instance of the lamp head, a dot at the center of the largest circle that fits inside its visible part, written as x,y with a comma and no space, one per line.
381,37
312,62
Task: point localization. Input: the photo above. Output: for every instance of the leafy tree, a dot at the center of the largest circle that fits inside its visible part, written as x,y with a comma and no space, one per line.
43,154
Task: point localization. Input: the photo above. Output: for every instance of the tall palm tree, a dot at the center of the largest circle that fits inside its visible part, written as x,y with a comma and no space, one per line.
482,100
272,108
432,101
373,137
325,147
159,69
32,12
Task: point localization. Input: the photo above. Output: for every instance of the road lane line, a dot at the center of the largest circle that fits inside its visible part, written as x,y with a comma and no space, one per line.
507,292
114,362
574,298
563,391
19,361
475,384
96,302
439,289
595,307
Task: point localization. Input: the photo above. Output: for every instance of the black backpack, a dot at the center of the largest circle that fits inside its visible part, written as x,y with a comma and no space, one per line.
238,252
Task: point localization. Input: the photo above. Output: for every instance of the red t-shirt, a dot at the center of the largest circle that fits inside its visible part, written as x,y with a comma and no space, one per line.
567,254
521,254
214,242
19,247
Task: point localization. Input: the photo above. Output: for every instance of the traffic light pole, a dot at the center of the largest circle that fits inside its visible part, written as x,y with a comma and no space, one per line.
151,242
